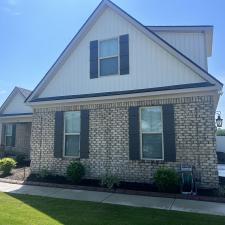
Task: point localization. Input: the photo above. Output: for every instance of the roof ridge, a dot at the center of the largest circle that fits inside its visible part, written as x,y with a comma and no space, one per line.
22,88
23,91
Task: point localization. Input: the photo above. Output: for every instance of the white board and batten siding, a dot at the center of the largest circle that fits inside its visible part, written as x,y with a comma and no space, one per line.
17,105
150,65
191,44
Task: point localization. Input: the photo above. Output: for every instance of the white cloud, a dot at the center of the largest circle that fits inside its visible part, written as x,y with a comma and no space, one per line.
11,7
12,2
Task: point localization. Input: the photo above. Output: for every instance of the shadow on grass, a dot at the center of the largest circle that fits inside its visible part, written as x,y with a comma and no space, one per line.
46,211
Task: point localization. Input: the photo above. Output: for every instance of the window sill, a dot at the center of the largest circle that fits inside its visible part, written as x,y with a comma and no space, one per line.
160,160
71,157
152,161
112,75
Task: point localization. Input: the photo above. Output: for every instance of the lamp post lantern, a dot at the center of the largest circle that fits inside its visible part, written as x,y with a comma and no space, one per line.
219,120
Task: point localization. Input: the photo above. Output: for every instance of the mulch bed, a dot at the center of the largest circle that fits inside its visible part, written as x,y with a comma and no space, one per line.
19,173
23,176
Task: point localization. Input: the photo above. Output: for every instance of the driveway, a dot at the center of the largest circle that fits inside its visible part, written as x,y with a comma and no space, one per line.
221,170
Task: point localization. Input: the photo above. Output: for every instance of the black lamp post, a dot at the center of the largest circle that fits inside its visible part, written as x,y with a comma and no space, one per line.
219,120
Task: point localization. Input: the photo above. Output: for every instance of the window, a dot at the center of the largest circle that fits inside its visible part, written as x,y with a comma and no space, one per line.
72,134
8,134
151,133
108,57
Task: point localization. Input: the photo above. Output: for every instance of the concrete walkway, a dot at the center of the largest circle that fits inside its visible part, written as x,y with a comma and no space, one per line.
119,199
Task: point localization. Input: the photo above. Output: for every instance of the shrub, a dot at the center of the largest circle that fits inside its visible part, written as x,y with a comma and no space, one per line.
166,180
220,191
110,181
21,159
75,172
220,132
6,165
44,173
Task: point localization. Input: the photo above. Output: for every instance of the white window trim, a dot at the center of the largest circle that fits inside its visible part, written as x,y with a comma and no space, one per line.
108,57
141,153
64,138
8,135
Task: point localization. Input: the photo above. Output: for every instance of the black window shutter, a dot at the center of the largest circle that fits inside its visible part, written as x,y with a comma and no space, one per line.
3,135
93,59
13,135
134,133
59,129
84,134
124,54
169,133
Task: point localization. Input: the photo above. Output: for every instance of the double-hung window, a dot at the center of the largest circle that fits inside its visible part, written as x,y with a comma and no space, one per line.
109,57
72,134
8,134
151,132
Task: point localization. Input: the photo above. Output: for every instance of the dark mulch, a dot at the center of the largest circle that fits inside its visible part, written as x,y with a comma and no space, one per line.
23,175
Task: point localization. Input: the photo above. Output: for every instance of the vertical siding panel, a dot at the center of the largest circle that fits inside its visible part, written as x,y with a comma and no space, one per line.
150,65
17,105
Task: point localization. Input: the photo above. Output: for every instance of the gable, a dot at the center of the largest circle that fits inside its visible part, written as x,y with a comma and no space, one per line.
16,105
151,65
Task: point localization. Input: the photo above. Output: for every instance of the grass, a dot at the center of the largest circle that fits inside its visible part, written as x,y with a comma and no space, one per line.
35,210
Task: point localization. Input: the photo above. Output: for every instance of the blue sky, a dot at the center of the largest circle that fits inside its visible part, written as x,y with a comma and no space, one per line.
34,33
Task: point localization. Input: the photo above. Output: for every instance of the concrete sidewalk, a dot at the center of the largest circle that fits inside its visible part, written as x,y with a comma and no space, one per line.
119,199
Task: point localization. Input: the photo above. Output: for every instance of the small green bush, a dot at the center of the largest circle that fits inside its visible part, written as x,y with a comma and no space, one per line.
43,173
20,159
220,191
167,180
75,172
110,181
6,165
220,132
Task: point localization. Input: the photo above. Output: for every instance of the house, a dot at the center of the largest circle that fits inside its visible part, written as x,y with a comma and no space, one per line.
127,99
15,123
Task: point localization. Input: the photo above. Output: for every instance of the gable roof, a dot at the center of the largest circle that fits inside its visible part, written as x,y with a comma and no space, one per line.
23,92
148,32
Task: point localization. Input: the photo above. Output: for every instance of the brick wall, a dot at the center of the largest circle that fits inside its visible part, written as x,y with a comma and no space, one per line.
109,143
23,134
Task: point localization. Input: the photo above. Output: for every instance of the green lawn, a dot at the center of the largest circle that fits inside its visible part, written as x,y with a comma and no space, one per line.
32,210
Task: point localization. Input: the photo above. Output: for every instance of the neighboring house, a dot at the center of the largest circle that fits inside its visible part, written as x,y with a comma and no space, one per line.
220,144
220,148
127,99
15,122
